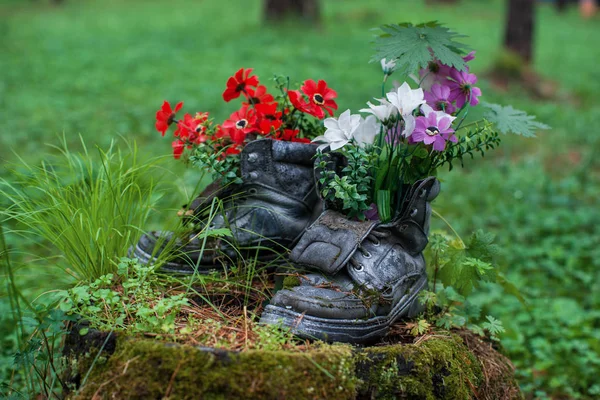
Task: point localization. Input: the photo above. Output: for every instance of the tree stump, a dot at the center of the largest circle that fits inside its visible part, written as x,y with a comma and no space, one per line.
447,365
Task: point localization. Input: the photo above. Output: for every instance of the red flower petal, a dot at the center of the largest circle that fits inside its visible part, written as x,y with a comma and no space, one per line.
178,147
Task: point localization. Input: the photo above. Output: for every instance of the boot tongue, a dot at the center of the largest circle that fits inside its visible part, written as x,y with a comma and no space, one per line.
330,241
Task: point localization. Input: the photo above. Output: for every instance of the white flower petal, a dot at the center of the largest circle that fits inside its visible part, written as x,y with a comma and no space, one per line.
405,99
366,132
338,145
409,125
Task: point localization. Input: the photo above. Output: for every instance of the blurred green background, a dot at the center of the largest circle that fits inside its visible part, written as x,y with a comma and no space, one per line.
101,68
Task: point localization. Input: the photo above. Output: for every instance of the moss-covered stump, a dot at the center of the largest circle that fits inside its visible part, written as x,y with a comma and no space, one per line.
451,366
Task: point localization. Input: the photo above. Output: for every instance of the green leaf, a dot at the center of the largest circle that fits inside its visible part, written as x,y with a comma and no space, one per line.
493,326
83,331
218,232
420,328
383,205
507,119
414,46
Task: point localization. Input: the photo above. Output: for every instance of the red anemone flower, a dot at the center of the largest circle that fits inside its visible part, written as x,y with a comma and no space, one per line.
320,97
298,102
238,82
233,149
268,126
243,120
192,129
258,97
290,135
178,147
165,116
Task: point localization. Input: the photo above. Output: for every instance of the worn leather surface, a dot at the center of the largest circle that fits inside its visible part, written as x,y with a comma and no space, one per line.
276,201
363,271
330,241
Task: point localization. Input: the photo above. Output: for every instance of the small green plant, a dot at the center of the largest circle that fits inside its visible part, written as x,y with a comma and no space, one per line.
88,208
457,268
349,192
133,300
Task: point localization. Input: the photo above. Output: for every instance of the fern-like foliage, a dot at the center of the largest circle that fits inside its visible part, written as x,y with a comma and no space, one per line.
480,140
414,46
226,169
507,119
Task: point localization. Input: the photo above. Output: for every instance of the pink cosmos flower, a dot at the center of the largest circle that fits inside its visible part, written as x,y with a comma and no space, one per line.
439,99
462,88
434,128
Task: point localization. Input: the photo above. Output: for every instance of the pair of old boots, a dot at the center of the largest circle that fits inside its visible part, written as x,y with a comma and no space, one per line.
355,278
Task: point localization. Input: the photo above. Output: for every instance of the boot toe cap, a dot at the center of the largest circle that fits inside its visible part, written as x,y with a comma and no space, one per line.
322,303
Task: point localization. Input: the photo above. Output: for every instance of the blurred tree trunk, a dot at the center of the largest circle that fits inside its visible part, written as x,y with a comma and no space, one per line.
279,9
561,5
518,37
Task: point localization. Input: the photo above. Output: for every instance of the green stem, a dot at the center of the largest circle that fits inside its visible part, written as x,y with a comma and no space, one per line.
462,243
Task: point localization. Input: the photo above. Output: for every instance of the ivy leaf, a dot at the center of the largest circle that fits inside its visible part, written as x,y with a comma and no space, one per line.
507,119
414,46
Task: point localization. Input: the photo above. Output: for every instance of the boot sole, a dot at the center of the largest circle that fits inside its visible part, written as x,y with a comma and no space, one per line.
358,331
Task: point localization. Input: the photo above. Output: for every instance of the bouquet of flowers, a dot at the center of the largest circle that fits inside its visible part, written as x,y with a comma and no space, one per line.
410,132
291,115
404,136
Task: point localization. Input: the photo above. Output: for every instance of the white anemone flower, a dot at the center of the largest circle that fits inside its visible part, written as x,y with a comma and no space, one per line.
406,101
339,131
366,131
383,111
388,66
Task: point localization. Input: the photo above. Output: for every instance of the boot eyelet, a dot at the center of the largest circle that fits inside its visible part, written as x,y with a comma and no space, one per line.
366,254
414,212
252,191
252,157
376,243
358,267
422,193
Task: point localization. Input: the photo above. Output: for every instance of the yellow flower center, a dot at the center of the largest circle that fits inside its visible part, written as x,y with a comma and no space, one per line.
432,131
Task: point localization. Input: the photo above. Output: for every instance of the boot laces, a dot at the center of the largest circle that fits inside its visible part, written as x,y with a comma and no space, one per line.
373,237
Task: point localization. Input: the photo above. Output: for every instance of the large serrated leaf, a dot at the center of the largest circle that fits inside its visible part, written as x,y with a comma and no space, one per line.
414,47
508,119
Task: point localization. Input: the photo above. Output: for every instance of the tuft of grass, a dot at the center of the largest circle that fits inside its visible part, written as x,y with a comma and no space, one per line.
87,207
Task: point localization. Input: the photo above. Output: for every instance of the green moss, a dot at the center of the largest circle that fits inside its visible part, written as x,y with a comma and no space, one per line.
440,367
149,369
291,281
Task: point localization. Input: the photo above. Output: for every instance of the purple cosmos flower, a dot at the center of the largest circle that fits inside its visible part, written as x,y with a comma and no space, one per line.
469,57
436,72
435,127
372,214
462,89
439,99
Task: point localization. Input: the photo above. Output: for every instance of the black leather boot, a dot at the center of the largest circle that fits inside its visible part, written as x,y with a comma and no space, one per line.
364,275
267,212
